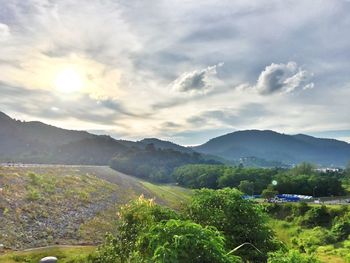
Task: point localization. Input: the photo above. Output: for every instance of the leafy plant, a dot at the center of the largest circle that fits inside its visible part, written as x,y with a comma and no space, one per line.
240,220
183,241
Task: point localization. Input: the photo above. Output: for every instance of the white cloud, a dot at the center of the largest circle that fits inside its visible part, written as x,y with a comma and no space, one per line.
197,80
283,78
127,53
4,32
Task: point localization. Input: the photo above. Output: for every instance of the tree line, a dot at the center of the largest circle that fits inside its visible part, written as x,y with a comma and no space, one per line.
303,179
155,164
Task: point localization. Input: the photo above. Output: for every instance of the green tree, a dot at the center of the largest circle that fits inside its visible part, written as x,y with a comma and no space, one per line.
246,187
269,192
341,227
183,241
240,220
135,218
317,216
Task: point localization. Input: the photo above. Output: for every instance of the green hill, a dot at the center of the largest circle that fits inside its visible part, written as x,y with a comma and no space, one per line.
44,205
273,146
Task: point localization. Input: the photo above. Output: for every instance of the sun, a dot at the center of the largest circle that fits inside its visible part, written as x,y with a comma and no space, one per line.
68,81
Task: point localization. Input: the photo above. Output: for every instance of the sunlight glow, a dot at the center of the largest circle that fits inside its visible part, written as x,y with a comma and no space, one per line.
68,81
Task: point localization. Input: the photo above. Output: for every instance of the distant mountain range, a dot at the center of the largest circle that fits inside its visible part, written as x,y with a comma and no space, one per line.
270,145
36,142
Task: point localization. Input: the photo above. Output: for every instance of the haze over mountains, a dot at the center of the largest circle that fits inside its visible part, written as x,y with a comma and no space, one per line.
36,142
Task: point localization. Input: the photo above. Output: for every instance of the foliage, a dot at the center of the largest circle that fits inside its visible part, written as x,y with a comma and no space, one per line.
183,241
291,256
302,179
67,254
341,227
310,239
154,164
330,242
240,220
269,192
135,218
246,187
317,216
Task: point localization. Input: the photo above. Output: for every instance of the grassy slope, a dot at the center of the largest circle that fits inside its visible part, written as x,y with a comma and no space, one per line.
69,204
286,231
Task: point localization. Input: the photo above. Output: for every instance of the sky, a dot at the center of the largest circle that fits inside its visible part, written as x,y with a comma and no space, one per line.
176,69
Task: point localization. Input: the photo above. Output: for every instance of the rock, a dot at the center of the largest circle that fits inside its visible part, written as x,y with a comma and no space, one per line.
48,260
1,248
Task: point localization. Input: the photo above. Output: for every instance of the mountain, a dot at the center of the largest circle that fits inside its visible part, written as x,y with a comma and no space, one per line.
36,142
273,146
160,144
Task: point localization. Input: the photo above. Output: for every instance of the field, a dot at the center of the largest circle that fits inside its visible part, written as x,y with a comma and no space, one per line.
45,205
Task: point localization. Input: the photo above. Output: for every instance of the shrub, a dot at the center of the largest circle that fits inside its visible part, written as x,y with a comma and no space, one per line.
240,220
33,194
291,256
341,228
317,216
183,241
135,218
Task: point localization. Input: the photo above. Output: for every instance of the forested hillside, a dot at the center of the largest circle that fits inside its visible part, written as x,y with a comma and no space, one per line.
273,146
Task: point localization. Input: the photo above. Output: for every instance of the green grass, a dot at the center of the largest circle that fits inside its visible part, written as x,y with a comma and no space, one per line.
285,231
332,253
64,254
173,196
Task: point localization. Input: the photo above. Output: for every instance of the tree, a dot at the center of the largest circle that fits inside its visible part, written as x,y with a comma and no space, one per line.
269,192
183,241
304,168
317,216
240,220
135,218
347,170
246,187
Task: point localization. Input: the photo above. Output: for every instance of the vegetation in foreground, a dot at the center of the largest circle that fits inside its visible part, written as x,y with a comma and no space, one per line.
64,254
323,231
208,229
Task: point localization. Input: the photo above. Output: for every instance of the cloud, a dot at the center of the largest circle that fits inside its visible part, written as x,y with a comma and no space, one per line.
41,104
148,64
278,78
249,113
4,32
197,80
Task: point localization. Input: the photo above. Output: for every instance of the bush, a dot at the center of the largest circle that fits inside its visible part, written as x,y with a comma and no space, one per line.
33,194
183,241
135,218
317,216
240,220
291,256
310,240
341,228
